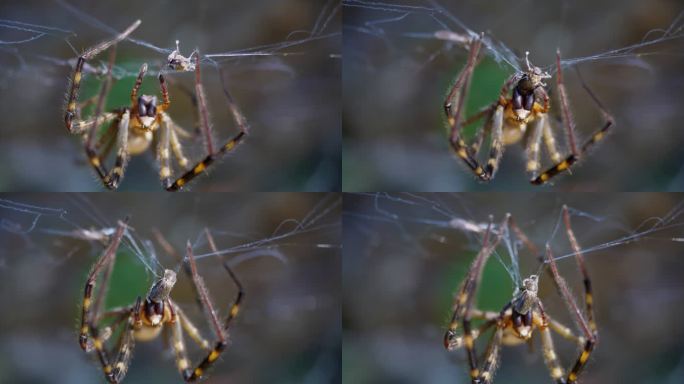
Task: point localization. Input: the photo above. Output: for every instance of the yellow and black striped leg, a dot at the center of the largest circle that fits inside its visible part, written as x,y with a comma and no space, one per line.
454,341
164,152
550,141
588,325
469,342
534,145
453,108
78,73
550,356
221,330
491,359
106,258
73,95
179,348
465,294
115,370
569,123
192,331
112,178
496,149
202,166
212,155
176,146
125,352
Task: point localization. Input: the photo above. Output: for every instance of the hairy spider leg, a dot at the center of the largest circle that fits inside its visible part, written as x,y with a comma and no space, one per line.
569,124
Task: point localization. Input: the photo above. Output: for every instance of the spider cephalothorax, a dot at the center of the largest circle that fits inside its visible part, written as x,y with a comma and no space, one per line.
135,127
522,316
519,114
157,308
526,91
522,307
145,319
147,112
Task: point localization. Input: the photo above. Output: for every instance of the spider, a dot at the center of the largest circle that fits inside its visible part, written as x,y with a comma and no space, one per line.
520,114
135,127
521,316
145,319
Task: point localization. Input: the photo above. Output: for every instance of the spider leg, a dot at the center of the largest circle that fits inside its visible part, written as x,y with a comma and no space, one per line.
550,142
453,108
168,143
484,129
564,331
115,370
112,178
456,341
176,146
463,308
192,330
99,301
164,152
211,156
550,355
491,359
78,72
221,331
179,348
106,258
588,329
496,149
108,139
534,144
569,123
101,99
193,99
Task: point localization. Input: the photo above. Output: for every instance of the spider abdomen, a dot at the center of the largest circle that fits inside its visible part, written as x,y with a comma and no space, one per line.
147,333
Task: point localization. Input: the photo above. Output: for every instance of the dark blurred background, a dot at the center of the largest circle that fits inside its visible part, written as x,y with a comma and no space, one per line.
394,88
292,103
288,330
402,266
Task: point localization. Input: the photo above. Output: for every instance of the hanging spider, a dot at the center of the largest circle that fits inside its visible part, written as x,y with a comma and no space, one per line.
145,319
133,128
520,114
521,316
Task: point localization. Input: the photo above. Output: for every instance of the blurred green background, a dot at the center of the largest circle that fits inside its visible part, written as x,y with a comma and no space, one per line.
402,265
395,84
288,330
292,103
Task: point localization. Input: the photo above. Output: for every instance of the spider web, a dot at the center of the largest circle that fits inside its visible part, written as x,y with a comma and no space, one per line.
419,216
294,44
383,20
79,218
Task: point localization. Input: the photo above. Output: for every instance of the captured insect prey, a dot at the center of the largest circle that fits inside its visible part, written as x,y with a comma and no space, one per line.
145,319
520,317
134,128
519,114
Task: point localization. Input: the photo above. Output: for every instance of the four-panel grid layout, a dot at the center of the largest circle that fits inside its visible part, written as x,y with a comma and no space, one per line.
341,191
